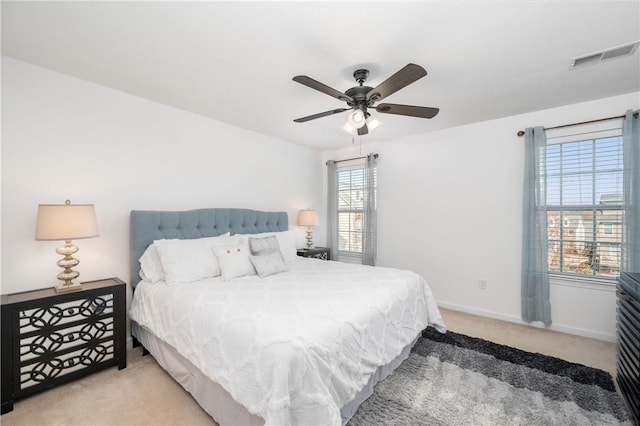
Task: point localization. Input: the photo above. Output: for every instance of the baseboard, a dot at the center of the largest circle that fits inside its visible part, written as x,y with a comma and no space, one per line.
513,319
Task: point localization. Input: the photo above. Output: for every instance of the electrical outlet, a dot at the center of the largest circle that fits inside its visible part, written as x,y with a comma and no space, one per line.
483,284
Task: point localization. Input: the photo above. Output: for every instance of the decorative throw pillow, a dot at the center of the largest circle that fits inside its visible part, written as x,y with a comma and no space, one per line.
191,259
269,264
234,261
287,243
263,245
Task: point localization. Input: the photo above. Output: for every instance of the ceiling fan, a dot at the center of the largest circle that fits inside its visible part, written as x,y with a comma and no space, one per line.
360,98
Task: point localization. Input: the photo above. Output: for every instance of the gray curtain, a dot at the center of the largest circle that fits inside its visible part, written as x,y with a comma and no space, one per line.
535,278
631,193
370,222
332,209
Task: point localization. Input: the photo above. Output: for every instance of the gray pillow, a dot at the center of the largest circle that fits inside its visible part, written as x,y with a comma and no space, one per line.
269,264
263,245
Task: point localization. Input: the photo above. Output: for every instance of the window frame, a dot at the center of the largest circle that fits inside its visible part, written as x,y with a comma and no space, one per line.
351,256
564,277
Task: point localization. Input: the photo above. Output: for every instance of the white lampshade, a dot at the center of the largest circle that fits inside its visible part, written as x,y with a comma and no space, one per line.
307,217
371,121
357,119
66,222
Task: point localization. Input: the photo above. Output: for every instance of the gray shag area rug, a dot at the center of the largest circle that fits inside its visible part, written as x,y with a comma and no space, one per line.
453,379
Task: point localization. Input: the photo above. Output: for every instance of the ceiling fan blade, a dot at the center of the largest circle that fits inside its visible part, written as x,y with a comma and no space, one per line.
320,114
363,130
309,82
402,78
413,111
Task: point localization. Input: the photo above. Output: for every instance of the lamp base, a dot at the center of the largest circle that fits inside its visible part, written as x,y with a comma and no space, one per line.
67,288
309,238
68,274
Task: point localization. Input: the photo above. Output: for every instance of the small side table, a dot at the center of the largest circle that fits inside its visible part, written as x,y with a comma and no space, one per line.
316,253
51,338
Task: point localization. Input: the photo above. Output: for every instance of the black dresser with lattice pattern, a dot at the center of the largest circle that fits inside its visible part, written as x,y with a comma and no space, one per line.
49,338
628,339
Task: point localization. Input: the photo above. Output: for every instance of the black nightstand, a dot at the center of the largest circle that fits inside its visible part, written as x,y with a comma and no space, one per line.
50,338
316,253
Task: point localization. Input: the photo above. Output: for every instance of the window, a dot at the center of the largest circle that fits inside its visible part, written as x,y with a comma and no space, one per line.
351,209
584,206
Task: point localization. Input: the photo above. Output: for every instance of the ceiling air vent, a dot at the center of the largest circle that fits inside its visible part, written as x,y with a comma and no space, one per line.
604,55
588,59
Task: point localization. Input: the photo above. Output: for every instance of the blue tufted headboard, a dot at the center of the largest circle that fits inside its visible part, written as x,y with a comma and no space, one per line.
149,225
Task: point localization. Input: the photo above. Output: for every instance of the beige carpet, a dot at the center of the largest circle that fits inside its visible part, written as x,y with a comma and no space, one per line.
143,394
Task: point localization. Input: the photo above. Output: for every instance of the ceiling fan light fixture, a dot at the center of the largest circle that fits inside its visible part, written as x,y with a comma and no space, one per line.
361,97
357,119
347,128
373,122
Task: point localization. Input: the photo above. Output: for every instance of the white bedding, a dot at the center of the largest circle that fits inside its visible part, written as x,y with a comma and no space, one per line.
293,347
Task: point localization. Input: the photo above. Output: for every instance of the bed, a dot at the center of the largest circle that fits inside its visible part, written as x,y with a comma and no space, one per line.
298,341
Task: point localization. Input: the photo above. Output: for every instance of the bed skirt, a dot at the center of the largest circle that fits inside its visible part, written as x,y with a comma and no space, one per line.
217,402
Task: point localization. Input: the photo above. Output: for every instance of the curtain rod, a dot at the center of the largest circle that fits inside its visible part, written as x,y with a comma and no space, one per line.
635,114
354,158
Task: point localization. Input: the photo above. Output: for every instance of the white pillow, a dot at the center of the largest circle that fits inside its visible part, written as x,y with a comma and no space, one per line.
191,259
150,265
269,264
234,261
287,243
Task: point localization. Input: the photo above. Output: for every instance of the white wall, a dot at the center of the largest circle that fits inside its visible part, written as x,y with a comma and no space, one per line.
450,200
450,209
67,138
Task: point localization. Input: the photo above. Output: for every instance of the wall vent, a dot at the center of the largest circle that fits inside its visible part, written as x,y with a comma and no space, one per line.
604,55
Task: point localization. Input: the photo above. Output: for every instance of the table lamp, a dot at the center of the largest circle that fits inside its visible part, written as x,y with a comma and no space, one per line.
308,218
66,222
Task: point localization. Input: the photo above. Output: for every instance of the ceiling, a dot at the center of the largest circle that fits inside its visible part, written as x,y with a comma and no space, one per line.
234,61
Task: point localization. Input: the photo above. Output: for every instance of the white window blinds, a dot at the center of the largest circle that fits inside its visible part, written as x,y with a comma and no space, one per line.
353,209
584,204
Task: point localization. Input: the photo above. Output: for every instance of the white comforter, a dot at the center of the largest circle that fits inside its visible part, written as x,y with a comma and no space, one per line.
293,348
